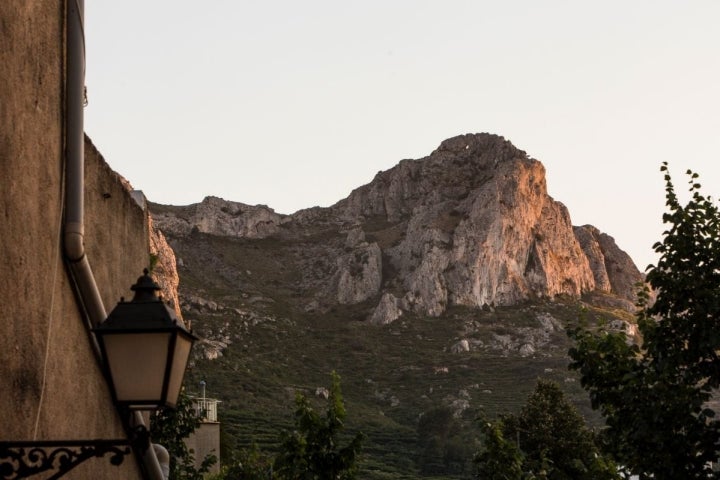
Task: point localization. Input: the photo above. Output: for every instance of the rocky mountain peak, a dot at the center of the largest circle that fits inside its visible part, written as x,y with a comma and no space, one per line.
457,167
479,146
471,224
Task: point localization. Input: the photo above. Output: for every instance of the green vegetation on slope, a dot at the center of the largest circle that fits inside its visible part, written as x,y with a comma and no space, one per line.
395,376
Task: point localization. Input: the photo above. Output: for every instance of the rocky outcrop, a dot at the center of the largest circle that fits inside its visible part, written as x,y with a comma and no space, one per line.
472,224
359,273
219,217
164,267
587,238
387,311
622,272
523,341
613,269
479,227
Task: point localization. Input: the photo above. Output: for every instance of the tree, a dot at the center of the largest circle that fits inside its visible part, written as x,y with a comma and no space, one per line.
170,427
499,459
443,445
248,464
550,439
654,396
311,450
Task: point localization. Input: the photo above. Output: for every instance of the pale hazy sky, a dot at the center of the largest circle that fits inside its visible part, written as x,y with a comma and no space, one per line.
293,104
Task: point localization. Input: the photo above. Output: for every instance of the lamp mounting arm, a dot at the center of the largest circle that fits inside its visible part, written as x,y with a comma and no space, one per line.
21,459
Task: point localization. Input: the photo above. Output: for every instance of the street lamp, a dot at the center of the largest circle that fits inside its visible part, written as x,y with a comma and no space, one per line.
145,349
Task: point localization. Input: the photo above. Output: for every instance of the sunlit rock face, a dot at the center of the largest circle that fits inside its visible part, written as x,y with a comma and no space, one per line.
480,229
164,267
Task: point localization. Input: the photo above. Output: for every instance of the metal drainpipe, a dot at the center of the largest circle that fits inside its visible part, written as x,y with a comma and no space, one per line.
74,230
74,222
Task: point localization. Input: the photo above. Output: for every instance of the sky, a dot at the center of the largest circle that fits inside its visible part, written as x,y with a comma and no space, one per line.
294,104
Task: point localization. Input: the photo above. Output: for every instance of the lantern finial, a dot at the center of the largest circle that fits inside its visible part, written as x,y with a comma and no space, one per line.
145,288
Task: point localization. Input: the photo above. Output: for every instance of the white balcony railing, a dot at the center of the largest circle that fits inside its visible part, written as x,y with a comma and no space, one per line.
206,408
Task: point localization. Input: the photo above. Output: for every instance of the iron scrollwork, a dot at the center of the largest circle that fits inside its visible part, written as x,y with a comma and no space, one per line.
25,458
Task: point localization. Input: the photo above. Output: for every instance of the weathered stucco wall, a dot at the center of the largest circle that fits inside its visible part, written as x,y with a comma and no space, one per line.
205,441
51,385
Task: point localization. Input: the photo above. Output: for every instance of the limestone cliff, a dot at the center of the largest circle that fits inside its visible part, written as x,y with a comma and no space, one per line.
165,267
472,224
477,227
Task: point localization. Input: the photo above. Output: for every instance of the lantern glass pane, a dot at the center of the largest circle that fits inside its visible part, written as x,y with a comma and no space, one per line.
137,364
180,360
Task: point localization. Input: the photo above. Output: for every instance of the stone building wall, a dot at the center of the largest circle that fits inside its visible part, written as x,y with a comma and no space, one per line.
51,384
205,440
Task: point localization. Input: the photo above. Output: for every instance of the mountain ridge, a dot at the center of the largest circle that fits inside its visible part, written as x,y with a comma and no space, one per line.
471,224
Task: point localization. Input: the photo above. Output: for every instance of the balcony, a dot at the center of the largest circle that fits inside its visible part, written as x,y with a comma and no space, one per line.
206,408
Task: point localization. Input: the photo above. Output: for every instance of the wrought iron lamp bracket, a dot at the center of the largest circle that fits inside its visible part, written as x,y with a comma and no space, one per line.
21,459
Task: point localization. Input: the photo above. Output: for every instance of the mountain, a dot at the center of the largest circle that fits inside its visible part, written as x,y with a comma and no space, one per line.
440,289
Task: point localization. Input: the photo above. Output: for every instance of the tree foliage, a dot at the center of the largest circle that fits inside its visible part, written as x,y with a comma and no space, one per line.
547,439
312,451
654,396
248,464
170,427
444,446
499,459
